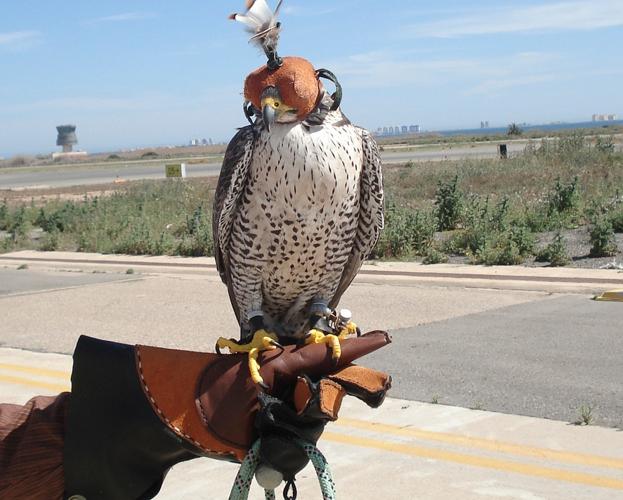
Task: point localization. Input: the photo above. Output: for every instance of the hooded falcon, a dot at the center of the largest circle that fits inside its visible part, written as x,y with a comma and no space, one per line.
299,201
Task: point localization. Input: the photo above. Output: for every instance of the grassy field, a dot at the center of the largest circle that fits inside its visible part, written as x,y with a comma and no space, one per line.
485,211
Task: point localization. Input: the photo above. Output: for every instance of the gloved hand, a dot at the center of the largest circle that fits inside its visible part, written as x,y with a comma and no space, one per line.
228,398
304,415
150,408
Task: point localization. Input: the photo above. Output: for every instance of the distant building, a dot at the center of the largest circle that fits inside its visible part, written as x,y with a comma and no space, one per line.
397,130
484,124
604,118
66,138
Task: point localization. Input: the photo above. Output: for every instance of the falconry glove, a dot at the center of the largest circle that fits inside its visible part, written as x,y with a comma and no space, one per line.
135,411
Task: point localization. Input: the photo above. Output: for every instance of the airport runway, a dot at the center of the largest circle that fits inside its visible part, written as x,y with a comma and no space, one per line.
78,175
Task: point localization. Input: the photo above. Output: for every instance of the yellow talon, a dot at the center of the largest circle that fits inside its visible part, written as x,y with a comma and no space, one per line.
349,329
262,341
333,341
254,367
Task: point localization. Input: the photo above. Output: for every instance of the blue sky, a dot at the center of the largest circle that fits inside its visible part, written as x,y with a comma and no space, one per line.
140,73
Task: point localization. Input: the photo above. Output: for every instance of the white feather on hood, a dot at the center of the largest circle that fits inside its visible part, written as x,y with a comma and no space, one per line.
261,22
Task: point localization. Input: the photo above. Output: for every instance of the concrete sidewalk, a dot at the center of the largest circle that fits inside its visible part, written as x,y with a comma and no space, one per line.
404,449
549,279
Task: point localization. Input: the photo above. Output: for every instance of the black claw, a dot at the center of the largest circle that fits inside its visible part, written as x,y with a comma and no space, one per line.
217,349
277,344
358,332
264,387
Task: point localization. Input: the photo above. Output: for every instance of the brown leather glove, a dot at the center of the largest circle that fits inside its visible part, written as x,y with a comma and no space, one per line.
149,408
210,399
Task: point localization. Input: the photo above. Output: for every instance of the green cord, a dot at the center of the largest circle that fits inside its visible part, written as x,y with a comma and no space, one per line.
244,478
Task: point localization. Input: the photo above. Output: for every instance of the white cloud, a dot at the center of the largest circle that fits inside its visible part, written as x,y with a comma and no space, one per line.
124,17
494,85
560,16
19,39
382,69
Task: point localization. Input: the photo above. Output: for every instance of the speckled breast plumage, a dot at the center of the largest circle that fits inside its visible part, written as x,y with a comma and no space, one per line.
297,220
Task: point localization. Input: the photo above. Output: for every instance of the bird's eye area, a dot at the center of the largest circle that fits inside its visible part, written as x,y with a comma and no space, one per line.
276,104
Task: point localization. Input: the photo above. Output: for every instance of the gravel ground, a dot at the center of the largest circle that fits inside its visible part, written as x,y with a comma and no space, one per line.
578,246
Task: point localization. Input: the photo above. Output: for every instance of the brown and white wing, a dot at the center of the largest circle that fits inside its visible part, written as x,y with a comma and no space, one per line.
231,185
371,218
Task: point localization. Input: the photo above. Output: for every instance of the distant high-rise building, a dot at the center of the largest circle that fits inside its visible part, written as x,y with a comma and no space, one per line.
385,131
414,129
404,129
604,118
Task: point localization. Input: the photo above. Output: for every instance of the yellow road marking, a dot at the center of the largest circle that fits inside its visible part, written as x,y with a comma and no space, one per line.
34,383
35,371
486,444
490,463
472,442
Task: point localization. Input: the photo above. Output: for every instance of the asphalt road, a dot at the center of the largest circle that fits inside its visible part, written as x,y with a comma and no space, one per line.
13,282
22,177
501,350
544,358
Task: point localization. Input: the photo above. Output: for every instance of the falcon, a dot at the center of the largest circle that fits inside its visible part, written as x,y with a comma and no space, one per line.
299,202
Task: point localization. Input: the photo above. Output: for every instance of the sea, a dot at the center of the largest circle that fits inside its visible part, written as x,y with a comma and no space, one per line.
526,127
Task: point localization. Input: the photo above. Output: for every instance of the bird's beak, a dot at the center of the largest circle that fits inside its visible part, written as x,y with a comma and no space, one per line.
268,115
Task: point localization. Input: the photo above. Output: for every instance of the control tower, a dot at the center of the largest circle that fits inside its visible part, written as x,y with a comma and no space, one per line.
66,137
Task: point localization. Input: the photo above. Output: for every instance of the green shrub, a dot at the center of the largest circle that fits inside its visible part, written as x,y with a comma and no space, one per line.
555,253
49,242
504,248
605,144
434,256
514,129
407,232
19,224
563,198
616,219
4,216
602,238
502,252
523,238
571,144
448,204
